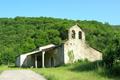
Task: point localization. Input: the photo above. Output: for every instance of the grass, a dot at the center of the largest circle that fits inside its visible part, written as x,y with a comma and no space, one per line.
76,71
3,67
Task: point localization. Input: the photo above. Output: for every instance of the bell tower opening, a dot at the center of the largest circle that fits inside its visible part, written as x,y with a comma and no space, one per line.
80,35
73,34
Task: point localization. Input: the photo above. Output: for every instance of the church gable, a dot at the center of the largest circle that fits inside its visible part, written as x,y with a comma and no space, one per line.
77,46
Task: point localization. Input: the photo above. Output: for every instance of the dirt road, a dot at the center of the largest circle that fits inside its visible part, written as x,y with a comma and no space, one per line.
20,75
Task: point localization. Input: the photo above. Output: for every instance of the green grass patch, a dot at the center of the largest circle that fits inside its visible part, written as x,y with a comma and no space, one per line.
76,71
5,67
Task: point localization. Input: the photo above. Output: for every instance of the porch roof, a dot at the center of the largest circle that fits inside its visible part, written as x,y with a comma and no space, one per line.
43,48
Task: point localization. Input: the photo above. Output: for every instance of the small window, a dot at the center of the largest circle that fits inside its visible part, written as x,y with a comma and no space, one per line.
80,35
73,34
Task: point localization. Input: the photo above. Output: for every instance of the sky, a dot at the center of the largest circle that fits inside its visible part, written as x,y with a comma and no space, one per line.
100,10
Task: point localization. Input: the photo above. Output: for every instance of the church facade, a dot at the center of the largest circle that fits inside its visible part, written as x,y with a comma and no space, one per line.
72,50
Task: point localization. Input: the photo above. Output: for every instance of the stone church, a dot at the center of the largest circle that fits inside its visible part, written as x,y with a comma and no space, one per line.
72,50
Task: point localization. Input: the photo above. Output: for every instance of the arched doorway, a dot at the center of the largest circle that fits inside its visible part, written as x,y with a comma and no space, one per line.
52,62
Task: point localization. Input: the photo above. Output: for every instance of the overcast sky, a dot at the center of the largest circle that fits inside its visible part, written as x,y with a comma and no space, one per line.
101,10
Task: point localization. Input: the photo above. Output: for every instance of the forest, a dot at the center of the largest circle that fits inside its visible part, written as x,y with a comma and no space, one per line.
24,34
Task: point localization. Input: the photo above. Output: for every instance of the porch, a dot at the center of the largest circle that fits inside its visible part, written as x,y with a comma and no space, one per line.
44,57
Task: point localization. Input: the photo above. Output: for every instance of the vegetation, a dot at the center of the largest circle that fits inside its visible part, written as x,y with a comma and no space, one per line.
77,71
5,67
71,56
23,34
82,70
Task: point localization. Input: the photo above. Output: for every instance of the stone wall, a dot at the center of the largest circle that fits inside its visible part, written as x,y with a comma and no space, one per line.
59,55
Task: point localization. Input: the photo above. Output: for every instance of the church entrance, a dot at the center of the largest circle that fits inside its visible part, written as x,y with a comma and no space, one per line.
52,62
39,61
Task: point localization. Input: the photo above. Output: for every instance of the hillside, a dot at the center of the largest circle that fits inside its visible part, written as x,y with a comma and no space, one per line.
23,34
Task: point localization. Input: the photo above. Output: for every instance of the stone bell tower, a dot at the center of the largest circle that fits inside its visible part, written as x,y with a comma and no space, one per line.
75,33
73,48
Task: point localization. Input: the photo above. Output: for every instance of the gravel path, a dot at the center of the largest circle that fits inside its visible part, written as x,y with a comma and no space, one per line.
20,75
